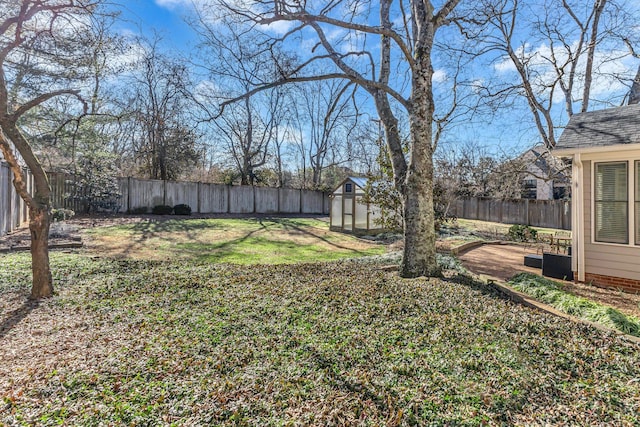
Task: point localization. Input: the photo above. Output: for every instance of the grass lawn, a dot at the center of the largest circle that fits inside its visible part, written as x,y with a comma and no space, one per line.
238,241
138,342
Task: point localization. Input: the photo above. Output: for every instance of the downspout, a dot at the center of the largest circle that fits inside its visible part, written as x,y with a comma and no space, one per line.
577,217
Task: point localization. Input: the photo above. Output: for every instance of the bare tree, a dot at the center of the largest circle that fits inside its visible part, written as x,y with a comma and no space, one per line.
42,49
282,134
165,144
330,117
557,48
234,62
247,132
402,75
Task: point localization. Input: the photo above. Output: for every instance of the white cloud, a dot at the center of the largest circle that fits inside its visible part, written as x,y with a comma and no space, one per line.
477,85
611,69
335,34
206,90
278,28
179,4
439,76
504,66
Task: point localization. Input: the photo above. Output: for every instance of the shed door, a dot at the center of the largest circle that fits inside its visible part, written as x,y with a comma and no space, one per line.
347,210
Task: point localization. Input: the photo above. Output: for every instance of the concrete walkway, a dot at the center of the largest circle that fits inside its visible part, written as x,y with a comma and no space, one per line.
501,261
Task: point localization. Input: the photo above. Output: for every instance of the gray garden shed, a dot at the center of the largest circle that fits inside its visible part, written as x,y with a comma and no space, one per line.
349,213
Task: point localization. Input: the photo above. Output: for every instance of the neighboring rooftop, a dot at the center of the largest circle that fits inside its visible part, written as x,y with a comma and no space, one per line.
613,126
543,160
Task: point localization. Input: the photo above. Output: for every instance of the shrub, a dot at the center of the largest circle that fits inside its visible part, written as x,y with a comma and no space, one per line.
62,214
381,191
139,210
162,210
95,183
522,233
182,209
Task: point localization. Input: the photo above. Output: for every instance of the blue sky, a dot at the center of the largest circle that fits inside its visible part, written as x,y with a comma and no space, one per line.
509,131
165,17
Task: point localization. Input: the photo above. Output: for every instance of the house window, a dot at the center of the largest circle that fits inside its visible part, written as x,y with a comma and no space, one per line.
348,188
611,198
559,193
530,189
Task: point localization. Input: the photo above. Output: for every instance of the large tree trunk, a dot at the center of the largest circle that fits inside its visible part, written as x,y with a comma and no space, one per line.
39,206
39,222
419,257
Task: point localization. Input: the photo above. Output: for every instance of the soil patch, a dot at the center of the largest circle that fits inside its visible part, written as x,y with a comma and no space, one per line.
61,235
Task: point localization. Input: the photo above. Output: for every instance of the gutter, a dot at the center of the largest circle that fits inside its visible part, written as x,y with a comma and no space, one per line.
568,152
577,216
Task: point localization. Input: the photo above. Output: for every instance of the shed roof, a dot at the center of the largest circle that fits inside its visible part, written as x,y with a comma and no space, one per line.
359,181
602,128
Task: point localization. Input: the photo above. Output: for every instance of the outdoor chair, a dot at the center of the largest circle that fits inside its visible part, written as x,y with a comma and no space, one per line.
561,241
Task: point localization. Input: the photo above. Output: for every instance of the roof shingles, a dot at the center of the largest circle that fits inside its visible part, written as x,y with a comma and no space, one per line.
602,128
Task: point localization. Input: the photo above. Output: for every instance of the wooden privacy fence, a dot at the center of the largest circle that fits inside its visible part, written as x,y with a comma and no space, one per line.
201,197
537,213
65,193
220,198
13,210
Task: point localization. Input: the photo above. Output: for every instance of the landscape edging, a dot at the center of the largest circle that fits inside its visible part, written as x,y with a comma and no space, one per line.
528,301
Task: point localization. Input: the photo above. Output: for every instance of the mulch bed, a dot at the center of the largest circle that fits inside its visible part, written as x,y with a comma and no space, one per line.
20,240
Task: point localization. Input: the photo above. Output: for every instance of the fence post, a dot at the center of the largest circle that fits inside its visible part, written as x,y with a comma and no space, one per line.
228,198
198,196
129,207
301,200
164,192
279,208
526,211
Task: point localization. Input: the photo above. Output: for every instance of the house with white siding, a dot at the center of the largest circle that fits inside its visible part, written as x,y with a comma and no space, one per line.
604,147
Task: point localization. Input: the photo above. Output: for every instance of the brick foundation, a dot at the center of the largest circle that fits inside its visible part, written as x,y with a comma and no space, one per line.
627,285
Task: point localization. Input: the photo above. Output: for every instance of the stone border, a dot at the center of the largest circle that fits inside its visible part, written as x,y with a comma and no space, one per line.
528,301
74,245
472,245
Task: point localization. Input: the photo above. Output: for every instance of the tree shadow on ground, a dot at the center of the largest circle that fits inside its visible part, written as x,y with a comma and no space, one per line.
289,224
477,285
152,228
191,239
17,315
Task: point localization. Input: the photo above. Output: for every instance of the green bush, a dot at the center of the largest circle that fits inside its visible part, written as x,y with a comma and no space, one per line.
182,209
62,214
162,210
139,210
522,233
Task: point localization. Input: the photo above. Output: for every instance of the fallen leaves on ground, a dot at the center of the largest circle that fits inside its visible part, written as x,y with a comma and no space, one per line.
160,343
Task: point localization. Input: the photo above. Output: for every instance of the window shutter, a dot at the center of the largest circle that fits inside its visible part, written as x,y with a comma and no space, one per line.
611,203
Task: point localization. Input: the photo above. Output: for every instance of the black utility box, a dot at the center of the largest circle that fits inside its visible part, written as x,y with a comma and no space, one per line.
533,260
557,266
